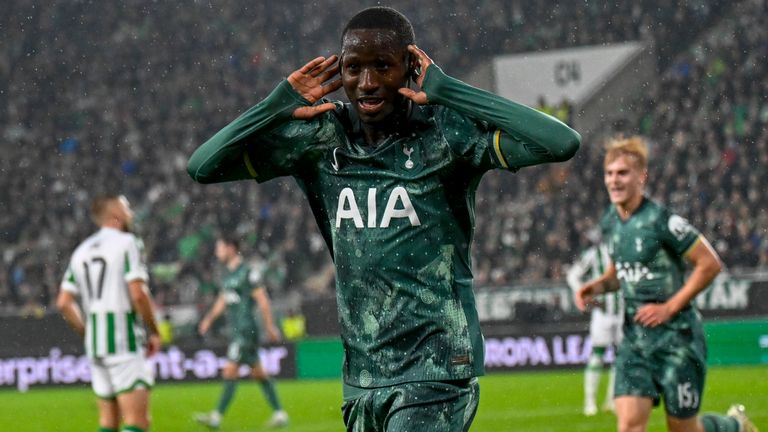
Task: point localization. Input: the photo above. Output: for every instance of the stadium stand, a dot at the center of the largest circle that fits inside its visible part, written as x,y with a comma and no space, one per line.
101,97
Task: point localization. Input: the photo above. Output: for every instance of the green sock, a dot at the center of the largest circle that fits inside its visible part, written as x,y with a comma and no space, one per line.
131,429
103,429
268,387
226,396
719,423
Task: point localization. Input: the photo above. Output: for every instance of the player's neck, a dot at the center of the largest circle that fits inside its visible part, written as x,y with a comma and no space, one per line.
114,224
625,210
234,262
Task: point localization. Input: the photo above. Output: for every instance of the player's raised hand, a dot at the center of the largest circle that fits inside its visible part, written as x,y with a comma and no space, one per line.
310,82
421,63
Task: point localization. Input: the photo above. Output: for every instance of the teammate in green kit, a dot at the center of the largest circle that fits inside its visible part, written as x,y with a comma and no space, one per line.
391,178
663,353
240,288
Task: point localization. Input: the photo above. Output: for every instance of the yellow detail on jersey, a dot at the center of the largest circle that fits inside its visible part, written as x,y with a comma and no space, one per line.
688,251
497,148
249,165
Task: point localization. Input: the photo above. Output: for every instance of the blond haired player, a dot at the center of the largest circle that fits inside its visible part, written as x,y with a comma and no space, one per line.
108,276
663,353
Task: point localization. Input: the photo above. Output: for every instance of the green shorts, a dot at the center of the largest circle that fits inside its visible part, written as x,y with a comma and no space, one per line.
444,406
664,363
244,351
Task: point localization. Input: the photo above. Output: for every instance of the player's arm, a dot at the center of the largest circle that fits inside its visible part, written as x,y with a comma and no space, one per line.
607,282
525,136
706,266
67,305
218,308
262,299
224,157
142,303
576,272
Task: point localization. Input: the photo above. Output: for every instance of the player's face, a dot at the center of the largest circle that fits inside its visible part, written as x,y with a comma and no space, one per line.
372,71
124,213
223,251
624,180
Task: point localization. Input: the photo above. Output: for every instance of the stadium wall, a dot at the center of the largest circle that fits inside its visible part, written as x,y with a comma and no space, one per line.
507,349
526,328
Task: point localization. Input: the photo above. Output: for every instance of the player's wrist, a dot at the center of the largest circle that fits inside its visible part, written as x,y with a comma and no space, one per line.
434,84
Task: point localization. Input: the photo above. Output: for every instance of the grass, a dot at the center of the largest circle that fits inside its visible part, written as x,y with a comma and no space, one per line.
541,402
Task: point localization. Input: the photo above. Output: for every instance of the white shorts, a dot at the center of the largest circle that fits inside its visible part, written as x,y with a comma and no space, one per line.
111,376
604,329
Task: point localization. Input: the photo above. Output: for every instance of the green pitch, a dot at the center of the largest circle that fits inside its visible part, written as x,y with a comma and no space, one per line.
541,402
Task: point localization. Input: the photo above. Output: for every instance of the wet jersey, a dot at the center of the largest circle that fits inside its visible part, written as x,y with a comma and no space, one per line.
237,287
647,251
398,218
98,273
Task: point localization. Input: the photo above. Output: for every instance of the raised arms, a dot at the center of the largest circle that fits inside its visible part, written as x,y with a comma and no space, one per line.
528,137
223,157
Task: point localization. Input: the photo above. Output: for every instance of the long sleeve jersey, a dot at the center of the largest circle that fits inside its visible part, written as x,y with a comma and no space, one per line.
398,218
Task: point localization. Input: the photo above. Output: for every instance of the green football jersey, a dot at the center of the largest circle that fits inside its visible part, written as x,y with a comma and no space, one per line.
236,288
647,250
398,218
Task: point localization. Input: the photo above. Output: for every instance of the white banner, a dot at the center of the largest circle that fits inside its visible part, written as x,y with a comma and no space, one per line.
573,74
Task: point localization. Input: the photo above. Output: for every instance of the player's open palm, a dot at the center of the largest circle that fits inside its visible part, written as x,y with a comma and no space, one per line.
310,82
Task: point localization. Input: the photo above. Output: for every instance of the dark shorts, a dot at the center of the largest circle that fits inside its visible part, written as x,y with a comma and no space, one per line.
669,365
244,351
444,406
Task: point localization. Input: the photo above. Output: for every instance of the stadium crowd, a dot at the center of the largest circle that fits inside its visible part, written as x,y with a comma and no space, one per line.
105,97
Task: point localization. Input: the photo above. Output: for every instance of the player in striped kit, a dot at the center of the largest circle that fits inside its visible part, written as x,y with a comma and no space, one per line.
605,321
109,278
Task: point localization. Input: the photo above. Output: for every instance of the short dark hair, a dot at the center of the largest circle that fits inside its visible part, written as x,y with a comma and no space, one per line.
382,18
230,240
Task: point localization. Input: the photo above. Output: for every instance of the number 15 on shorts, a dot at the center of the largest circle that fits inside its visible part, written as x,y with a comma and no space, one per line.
686,396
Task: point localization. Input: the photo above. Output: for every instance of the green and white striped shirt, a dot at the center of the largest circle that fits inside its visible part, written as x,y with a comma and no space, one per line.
98,273
591,264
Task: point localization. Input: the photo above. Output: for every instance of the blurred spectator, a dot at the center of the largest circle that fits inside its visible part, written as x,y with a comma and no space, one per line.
165,327
294,326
